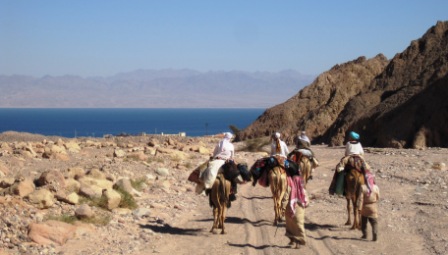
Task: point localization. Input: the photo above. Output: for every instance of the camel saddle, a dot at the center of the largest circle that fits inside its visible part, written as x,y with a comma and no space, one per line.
356,162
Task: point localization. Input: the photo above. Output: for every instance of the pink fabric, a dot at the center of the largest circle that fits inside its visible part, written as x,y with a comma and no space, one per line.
370,181
297,193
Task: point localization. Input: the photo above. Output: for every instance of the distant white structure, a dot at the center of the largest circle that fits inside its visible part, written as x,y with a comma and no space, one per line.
178,134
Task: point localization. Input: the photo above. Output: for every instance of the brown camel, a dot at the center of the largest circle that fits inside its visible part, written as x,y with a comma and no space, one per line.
277,181
220,192
219,198
354,178
304,163
269,171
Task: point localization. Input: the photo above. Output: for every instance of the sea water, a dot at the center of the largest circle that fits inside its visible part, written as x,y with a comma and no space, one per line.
70,122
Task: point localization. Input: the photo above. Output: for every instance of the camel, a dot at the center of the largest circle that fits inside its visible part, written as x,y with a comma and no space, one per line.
220,192
354,178
269,171
219,198
304,163
278,184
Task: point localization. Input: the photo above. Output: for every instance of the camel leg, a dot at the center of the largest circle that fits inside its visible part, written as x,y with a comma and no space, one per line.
215,219
356,221
275,211
285,200
279,209
349,213
355,216
223,217
274,188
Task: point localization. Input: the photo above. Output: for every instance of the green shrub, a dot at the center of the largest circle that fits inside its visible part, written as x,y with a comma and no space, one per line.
127,200
102,219
63,217
138,183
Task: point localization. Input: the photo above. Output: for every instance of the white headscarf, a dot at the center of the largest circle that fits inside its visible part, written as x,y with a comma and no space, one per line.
226,140
228,135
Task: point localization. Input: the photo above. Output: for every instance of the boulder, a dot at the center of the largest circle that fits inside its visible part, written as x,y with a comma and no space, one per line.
51,232
84,211
112,198
23,188
41,198
53,177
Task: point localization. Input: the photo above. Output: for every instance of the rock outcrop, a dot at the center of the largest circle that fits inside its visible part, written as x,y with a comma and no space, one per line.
406,105
317,106
396,103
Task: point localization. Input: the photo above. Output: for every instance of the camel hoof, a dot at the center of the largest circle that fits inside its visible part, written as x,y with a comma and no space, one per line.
348,223
223,232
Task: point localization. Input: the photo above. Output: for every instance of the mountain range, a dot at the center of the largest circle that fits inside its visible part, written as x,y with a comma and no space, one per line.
166,88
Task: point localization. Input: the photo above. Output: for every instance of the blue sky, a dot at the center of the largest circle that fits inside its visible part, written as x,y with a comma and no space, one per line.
102,38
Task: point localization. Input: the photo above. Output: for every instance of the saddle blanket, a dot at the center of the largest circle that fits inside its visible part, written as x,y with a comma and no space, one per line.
208,176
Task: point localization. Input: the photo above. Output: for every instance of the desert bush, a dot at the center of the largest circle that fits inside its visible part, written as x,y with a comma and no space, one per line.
101,219
67,218
127,200
155,159
254,145
138,183
235,129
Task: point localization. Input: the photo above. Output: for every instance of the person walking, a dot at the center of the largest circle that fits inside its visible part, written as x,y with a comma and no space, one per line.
295,211
367,205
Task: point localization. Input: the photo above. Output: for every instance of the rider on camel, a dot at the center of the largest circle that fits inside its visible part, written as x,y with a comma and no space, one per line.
278,147
223,152
303,145
352,148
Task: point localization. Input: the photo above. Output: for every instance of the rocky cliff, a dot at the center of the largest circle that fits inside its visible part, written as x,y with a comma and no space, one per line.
396,103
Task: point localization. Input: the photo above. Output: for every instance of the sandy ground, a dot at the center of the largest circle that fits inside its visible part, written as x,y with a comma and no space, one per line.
413,214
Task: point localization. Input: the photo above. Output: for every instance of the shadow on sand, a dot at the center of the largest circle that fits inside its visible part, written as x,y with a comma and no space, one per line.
167,229
236,220
317,227
256,197
261,247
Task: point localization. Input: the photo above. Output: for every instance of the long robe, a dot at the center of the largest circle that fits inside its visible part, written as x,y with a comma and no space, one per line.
295,211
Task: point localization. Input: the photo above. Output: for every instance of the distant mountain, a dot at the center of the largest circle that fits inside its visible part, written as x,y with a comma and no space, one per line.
154,89
397,103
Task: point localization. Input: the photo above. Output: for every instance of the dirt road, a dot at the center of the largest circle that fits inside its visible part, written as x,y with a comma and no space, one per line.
172,219
406,226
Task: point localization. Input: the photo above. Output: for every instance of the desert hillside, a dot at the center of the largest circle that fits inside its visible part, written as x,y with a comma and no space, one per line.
391,103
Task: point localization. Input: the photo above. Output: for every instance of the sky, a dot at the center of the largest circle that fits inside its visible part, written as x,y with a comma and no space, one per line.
103,38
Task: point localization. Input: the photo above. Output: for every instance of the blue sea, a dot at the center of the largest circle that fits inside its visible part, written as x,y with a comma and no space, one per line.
100,122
